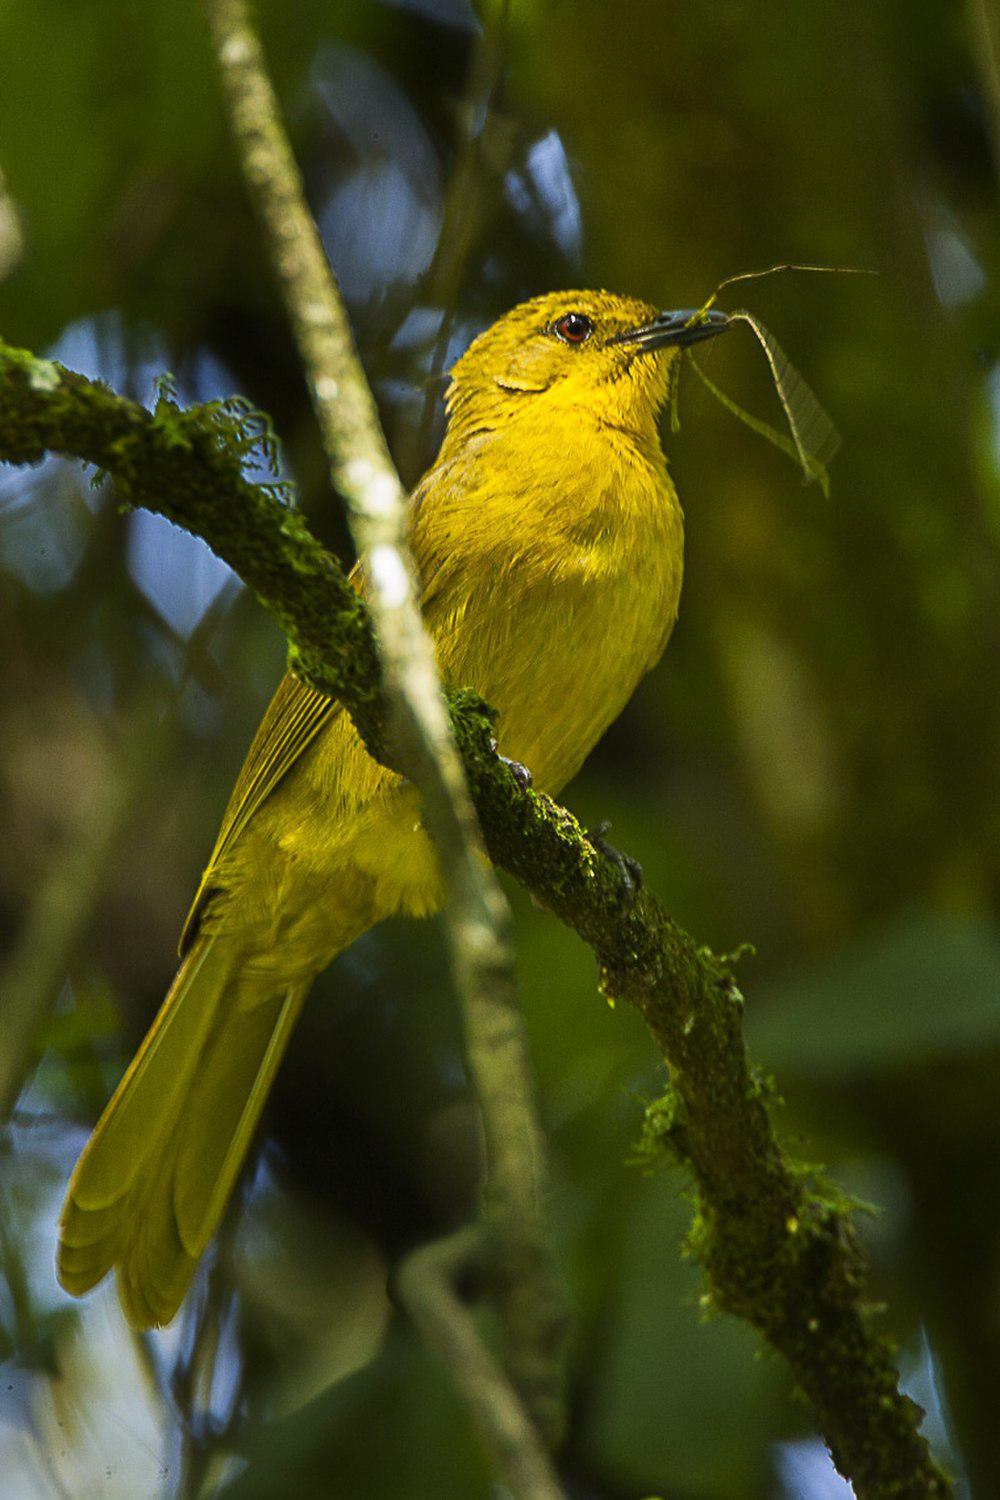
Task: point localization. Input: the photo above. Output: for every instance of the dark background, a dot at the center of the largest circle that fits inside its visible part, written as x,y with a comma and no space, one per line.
812,768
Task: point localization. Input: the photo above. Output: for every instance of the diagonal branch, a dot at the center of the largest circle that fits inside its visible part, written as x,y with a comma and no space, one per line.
779,1249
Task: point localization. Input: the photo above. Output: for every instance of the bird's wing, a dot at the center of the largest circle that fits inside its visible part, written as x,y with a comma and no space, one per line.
294,718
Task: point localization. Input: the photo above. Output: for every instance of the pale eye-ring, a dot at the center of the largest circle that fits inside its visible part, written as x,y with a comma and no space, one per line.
573,328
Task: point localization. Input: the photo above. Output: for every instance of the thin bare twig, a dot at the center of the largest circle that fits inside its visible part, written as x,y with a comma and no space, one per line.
460,216
476,915
426,1285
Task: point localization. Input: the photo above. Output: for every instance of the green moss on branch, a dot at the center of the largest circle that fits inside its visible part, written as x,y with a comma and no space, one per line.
187,465
779,1249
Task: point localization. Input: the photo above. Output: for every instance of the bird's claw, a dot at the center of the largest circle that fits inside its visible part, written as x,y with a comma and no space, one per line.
520,773
631,869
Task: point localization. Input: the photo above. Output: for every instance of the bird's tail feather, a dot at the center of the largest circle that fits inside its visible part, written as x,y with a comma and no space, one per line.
153,1181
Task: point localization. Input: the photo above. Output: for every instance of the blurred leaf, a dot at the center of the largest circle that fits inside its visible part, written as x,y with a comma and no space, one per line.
669,1386
395,1428
926,986
314,1296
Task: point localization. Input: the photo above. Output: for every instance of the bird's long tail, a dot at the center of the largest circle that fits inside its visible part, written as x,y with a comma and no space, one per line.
153,1181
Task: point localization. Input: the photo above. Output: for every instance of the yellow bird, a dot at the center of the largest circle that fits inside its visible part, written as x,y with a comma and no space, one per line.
548,539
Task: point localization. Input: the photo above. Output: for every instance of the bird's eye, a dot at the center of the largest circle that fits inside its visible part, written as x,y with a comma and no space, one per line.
573,328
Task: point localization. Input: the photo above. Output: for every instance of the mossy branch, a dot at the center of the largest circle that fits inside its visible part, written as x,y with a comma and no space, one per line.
778,1249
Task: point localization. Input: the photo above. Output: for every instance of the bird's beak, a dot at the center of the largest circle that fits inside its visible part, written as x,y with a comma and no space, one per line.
688,325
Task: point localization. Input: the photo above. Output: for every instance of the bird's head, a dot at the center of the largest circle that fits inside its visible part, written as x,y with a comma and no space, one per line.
583,351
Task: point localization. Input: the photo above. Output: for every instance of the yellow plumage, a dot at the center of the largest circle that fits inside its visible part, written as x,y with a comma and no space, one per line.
548,540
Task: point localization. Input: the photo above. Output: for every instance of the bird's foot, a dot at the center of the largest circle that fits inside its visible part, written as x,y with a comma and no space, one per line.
520,773
631,869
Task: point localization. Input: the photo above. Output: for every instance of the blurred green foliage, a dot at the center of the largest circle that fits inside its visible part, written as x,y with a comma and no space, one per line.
812,767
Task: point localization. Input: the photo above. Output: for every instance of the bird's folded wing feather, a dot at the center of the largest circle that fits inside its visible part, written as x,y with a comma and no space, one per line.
294,718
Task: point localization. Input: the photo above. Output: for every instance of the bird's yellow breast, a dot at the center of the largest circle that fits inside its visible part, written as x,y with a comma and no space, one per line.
557,595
